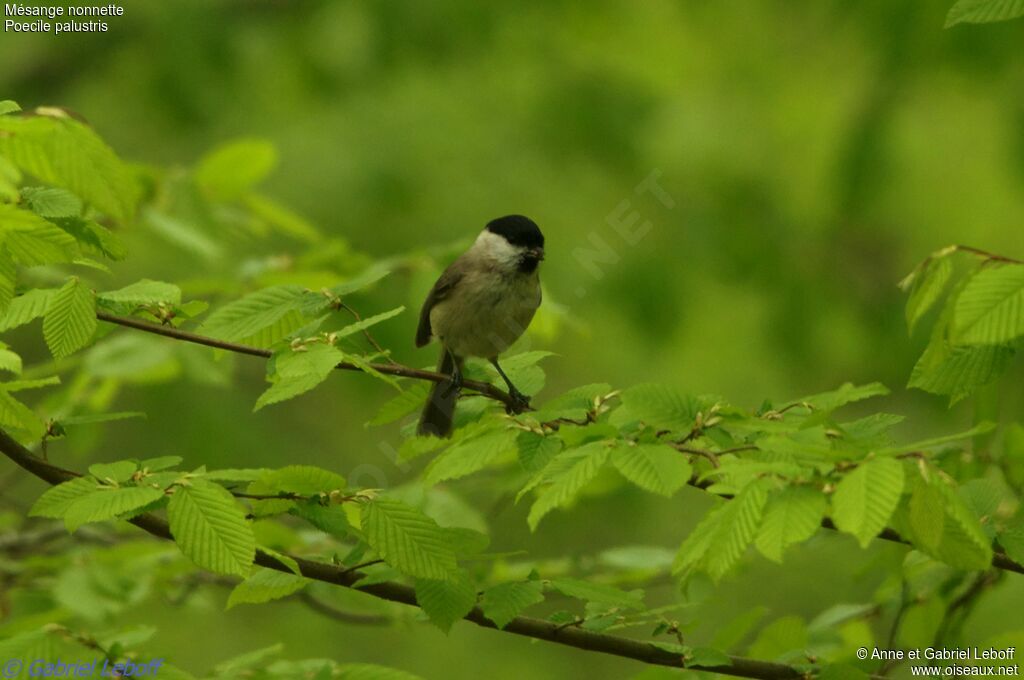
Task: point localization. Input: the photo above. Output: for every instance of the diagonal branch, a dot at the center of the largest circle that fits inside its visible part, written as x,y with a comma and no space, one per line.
486,389
398,592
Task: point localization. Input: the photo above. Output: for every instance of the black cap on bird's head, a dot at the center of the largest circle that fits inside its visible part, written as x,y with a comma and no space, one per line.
519,231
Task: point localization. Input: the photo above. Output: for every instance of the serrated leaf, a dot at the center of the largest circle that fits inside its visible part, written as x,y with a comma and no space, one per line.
573,404
791,516
984,11
107,503
31,240
298,371
407,539
14,414
121,471
566,475
964,543
211,529
958,371
8,280
471,455
61,151
926,514
504,602
26,308
9,361
260,318
536,451
599,593
144,292
927,289
658,468
368,322
990,309
70,320
51,202
662,407
736,527
1012,540
94,238
405,403
265,585
847,393
330,519
865,499
231,169
55,501
160,463
446,601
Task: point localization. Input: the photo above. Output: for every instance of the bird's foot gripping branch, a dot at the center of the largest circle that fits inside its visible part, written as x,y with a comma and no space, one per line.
775,481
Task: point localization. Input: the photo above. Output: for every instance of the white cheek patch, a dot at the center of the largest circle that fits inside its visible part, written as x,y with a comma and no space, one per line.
497,248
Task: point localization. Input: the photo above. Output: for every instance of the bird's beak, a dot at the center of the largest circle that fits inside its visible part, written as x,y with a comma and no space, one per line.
536,253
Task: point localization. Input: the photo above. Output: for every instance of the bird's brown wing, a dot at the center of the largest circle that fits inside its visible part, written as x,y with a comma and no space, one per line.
445,283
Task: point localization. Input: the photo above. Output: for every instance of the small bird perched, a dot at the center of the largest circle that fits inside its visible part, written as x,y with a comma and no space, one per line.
479,306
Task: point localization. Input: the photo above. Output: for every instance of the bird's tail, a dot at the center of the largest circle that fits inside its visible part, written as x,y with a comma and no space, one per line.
437,414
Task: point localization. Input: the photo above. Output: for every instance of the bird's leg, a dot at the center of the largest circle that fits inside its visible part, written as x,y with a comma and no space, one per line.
456,382
521,401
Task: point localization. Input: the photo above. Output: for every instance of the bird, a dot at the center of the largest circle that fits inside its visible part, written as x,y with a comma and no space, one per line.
479,306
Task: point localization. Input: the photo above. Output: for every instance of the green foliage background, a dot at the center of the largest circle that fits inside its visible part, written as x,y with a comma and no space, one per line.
815,152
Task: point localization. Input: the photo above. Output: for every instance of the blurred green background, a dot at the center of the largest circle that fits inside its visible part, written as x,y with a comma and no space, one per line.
814,153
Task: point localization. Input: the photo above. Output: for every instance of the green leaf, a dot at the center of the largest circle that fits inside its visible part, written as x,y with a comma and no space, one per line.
574,404
791,516
51,202
407,539
61,151
736,527
958,371
471,455
447,601
107,503
848,393
984,11
8,280
31,240
93,418
281,218
368,671
990,309
120,471
160,463
14,414
264,585
70,320
536,451
979,429
298,371
261,318
402,405
94,238
363,324
300,479
963,543
211,529
233,168
598,593
9,361
927,514
565,476
658,468
504,602
330,519
55,501
8,106
707,657
927,289
662,407
144,292
865,499
26,308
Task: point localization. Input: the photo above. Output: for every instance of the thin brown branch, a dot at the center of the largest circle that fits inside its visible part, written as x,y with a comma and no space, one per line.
332,612
399,370
987,255
397,592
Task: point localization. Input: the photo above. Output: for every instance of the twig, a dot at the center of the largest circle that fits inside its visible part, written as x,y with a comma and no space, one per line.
987,255
332,612
400,370
366,333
